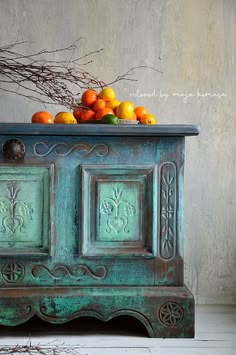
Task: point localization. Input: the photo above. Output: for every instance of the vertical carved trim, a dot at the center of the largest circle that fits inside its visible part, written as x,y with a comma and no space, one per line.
168,191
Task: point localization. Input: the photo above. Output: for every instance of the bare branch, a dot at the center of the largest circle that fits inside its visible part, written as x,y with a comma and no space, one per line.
51,81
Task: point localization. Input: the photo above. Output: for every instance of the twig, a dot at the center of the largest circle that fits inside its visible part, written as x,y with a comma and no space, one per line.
51,81
33,350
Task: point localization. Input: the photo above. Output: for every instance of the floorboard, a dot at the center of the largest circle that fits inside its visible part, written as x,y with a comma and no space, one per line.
215,335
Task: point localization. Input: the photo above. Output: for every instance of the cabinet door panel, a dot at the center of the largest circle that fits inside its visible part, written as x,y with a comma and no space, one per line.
117,206
25,210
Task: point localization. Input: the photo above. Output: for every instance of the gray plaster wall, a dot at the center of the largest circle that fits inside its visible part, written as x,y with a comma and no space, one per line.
194,44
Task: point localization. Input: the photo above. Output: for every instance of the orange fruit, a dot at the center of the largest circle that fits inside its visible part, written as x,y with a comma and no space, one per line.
42,117
77,113
134,117
148,119
64,118
87,115
99,104
140,111
89,97
103,112
115,111
107,94
125,110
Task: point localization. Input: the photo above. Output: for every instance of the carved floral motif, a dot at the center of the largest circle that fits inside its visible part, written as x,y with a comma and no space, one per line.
171,314
118,212
13,272
14,212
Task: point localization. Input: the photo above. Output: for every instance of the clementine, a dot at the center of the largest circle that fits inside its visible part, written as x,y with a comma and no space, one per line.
134,117
77,113
42,117
103,112
99,104
140,111
148,119
89,97
87,115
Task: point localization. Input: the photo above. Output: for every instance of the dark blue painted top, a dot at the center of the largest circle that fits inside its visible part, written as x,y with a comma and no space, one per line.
98,129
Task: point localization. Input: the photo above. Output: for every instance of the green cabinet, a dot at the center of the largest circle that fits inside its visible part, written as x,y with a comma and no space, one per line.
91,223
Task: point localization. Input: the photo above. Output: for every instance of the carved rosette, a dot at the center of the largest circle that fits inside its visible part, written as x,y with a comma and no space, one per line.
13,272
171,314
168,192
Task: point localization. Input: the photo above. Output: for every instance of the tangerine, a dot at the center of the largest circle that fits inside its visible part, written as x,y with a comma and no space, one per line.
140,111
148,119
87,115
103,112
99,104
89,97
77,113
42,117
134,117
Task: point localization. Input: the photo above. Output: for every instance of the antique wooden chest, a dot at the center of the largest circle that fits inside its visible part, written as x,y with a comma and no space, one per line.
91,224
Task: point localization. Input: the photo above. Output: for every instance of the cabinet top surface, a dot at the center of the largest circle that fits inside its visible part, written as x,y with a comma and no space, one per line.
98,129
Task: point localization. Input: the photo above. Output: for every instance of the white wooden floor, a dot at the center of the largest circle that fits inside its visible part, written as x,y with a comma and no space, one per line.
215,334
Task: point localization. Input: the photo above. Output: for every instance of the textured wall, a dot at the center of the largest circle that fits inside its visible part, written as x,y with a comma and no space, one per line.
194,44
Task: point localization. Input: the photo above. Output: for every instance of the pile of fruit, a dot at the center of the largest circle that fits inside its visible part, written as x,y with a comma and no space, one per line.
99,108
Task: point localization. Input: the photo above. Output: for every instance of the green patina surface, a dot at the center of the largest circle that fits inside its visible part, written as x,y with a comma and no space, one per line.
99,211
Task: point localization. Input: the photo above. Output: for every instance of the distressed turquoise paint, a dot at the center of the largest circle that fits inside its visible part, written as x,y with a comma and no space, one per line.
143,303
115,202
119,213
91,242
75,220
25,209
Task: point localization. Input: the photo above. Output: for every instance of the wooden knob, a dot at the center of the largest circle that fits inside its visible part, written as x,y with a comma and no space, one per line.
13,149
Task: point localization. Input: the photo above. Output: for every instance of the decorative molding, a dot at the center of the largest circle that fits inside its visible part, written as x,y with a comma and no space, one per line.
41,149
81,313
25,312
79,272
118,212
168,192
13,272
171,314
14,212
92,313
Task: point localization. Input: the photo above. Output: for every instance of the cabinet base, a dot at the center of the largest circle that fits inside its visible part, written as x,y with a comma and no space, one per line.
166,312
